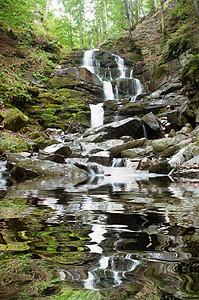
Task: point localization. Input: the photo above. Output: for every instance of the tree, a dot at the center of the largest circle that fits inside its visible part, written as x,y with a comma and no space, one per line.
195,2
47,8
162,16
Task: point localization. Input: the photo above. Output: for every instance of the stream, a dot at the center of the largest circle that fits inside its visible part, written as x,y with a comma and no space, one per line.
119,229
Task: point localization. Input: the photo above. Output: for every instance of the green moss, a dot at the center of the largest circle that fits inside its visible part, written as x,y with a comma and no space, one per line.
14,145
190,73
42,142
159,72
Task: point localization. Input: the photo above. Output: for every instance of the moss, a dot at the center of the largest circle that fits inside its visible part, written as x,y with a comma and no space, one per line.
1,117
159,72
190,74
14,119
14,145
43,142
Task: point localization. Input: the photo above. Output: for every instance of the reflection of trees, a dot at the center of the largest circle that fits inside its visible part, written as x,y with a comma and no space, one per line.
189,274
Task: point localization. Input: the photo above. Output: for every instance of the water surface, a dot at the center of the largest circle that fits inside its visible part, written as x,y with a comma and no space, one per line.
135,238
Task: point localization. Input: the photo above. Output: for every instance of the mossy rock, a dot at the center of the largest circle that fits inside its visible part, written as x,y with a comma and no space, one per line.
1,117
14,119
160,168
60,82
14,145
159,72
170,151
190,75
43,142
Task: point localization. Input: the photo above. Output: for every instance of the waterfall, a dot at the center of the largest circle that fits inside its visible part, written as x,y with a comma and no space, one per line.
108,91
88,60
93,65
138,87
121,67
144,132
97,115
116,92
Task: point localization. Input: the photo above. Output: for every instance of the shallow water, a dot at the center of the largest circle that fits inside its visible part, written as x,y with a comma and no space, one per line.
132,234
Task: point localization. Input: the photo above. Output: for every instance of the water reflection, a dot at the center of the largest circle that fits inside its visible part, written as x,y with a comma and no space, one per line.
107,233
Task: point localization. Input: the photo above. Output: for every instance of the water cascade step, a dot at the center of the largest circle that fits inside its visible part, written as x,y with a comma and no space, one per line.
112,73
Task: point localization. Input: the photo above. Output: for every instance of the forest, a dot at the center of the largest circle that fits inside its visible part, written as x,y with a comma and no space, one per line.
99,149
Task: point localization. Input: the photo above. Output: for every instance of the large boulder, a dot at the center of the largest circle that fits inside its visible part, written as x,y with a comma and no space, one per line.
14,119
22,169
102,157
152,126
160,168
77,78
130,126
175,117
136,152
160,145
116,150
185,154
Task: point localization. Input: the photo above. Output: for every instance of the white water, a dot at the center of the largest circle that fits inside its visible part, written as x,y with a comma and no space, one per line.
138,87
121,67
97,115
88,60
108,91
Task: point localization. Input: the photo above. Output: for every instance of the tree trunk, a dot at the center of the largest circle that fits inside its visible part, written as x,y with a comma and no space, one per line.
129,20
162,16
195,2
106,20
156,4
47,8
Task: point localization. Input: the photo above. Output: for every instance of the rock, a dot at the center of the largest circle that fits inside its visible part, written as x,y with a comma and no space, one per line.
144,164
65,151
116,151
171,88
165,73
136,152
14,119
77,78
102,157
152,125
126,138
161,145
168,152
172,133
1,117
176,117
56,158
185,154
114,130
160,168
126,87
95,138
34,91
43,141
30,168
186,129
22,173
193,161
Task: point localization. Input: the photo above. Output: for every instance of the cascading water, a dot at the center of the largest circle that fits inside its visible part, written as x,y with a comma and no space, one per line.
121,66
93,65
88,60
97,115
138,87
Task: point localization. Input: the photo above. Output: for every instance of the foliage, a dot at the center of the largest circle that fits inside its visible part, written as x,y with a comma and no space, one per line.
13,145
20,14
